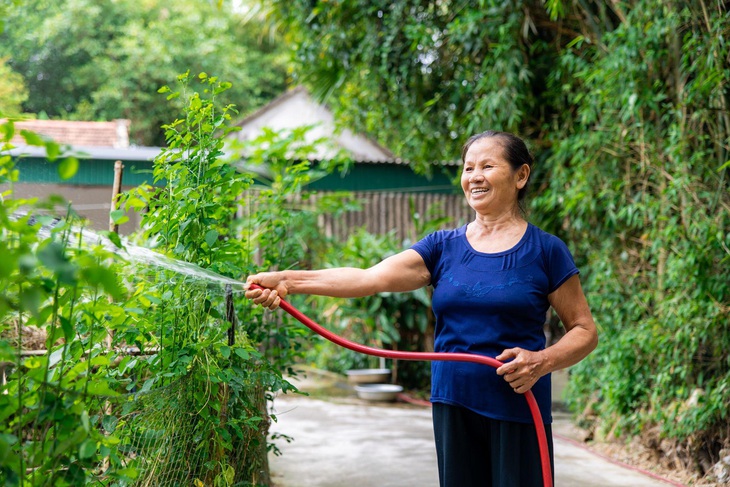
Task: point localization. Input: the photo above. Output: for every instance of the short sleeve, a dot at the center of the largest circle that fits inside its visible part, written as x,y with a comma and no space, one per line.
559,263
427,248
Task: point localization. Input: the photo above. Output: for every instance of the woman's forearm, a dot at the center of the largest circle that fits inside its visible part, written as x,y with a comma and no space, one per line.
341,282
402,272
573,347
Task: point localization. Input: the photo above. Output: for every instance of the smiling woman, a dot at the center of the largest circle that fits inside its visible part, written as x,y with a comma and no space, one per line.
494,280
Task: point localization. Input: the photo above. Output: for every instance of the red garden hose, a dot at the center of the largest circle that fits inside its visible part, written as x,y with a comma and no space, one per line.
432,356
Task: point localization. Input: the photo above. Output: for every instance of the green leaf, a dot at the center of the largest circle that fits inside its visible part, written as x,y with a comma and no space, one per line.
7,129
99,275
68,167
52,150
85,420
109,423
87,449
118,217
68,328
53,256
230,475
101,388
30,300
114,237
147,386
135,203
10,458
211,237
32,138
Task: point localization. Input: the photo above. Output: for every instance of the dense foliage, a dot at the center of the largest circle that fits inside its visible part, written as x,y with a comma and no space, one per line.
150,371
101,60
421,75
47,282
640,181
626,105
12,90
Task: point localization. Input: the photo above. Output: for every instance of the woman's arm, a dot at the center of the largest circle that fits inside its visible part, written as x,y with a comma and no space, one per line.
580,339
402,272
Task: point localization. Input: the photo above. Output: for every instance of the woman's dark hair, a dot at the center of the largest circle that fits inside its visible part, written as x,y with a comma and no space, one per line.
515,152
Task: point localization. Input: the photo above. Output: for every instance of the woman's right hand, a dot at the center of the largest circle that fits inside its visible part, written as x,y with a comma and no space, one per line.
273,289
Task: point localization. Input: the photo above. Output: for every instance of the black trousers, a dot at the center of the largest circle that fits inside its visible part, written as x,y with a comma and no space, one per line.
476,451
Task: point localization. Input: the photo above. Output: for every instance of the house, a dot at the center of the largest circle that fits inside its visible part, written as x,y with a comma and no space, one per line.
99,145
386,186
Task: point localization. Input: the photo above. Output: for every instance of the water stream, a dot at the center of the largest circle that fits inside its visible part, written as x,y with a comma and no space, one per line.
141,255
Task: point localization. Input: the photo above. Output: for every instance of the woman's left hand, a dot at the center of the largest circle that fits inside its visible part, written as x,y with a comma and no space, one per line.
523,370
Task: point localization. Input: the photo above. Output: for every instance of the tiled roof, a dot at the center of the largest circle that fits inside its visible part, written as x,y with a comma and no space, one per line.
89,134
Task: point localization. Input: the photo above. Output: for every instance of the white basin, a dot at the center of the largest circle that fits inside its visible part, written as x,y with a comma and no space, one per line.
378,392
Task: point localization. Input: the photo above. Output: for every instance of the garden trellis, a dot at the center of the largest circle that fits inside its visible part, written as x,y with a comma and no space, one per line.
162,430
85,412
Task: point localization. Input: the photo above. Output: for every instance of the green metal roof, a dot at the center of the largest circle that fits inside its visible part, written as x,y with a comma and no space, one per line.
387,178
96,167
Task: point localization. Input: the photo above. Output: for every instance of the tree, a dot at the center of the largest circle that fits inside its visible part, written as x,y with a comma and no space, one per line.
638,182
87,59
12,91
421,76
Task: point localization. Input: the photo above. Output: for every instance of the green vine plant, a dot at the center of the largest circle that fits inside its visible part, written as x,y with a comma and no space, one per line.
149,376
53,287
638,183
209,208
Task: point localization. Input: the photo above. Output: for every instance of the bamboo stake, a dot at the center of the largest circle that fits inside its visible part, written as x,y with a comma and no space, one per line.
116,189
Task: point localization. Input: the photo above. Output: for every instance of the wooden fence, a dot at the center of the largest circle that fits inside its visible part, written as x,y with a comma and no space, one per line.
385,211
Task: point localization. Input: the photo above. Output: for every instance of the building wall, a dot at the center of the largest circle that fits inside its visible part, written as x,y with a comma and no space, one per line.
384,212
90,202
296,109
396,178
389,194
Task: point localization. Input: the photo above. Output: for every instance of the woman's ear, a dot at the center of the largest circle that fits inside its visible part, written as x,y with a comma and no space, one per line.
523,175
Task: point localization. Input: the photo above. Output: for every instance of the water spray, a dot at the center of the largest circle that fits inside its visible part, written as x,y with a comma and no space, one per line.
431,356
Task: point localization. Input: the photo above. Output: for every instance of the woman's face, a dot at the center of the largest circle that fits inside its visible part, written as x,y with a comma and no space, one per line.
489,182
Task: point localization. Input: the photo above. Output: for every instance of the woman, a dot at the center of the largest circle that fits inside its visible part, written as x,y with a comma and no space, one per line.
493,279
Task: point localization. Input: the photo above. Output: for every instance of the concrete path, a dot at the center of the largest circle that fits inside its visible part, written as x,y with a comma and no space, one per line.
340,440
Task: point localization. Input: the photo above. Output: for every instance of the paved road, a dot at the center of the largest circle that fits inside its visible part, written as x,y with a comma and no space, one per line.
344,441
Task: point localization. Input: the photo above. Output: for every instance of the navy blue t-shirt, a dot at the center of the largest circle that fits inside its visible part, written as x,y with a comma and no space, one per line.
485,303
